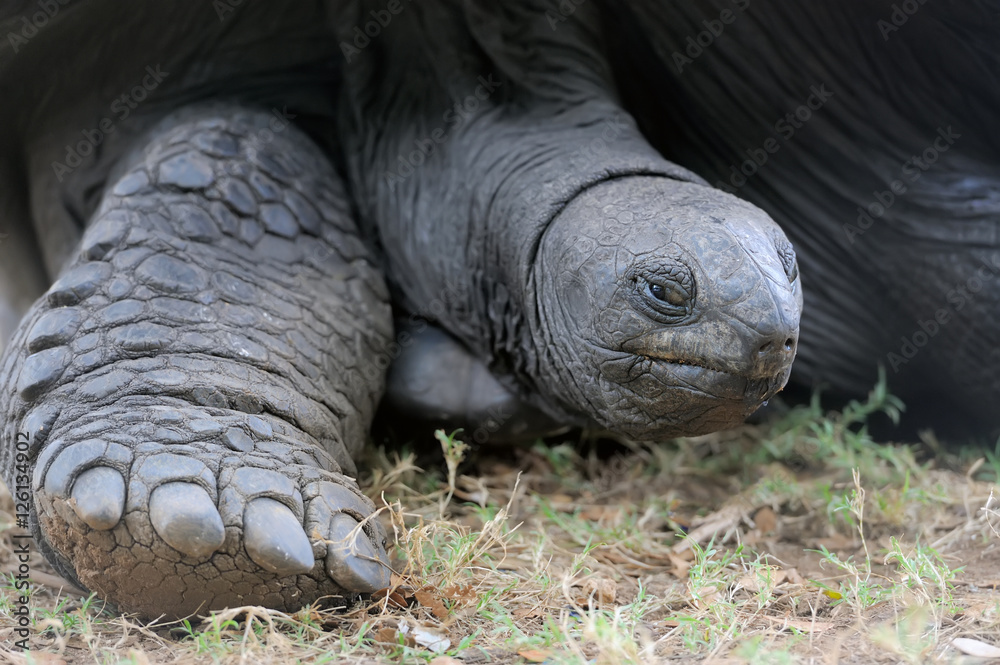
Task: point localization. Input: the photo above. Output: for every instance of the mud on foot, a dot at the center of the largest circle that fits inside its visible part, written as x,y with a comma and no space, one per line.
196,383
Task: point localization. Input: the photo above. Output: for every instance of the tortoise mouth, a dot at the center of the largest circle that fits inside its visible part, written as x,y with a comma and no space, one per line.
676,397
700,376
689,362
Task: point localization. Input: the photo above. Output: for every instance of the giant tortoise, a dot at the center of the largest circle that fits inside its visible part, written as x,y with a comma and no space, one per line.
212,213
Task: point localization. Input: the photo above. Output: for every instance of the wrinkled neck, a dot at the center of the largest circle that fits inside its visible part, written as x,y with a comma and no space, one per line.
548,162
463,141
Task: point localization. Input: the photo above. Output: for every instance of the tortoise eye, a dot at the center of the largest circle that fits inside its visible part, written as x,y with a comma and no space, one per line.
662,298
663,289
663,294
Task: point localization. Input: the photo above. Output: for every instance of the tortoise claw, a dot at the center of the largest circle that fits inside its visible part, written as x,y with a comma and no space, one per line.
99,497
352,560
274,538
186,518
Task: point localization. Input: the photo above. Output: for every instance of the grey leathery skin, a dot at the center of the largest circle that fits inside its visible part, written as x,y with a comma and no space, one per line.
546,218
191,395
702,360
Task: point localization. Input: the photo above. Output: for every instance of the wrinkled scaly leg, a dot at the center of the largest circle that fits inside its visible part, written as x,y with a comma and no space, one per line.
195,384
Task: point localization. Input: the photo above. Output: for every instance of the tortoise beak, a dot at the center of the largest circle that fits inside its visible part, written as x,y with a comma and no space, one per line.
749,354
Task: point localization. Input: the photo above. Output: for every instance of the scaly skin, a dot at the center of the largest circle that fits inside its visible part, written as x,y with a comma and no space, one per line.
194,386
520,208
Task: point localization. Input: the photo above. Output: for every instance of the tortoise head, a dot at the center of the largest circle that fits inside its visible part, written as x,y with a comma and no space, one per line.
666,308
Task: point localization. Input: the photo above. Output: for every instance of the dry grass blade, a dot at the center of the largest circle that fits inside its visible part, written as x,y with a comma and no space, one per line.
709,550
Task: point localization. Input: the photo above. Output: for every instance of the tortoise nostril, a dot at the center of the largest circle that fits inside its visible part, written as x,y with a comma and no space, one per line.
773,355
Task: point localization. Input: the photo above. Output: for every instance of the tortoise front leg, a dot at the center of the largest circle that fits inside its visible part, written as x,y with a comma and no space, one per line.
196,385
